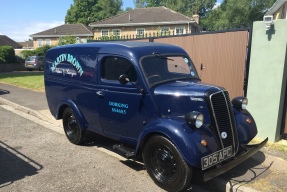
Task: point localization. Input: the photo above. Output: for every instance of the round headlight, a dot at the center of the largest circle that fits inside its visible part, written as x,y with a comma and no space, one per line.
199,121
194,119
240,102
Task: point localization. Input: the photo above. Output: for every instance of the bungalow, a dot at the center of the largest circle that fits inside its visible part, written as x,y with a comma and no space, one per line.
142,22
4,40
51,36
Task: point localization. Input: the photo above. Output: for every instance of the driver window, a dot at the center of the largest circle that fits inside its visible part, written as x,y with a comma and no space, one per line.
113,67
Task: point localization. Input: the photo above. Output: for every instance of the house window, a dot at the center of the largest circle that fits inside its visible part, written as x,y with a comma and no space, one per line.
40,42
179,30
165,31
105,33
48,41
114,67
140,32
117,32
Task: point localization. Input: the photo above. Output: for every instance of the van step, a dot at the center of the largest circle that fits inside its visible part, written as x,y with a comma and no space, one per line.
123,151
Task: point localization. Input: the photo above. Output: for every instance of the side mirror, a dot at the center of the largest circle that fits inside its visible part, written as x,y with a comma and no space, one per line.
124,79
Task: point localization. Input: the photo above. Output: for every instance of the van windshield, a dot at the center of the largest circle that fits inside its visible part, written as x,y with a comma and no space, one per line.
162,68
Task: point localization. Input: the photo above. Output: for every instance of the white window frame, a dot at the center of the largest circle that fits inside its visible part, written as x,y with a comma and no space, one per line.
48,40
117,31
183,29
140,30
40,42
104,30
163,29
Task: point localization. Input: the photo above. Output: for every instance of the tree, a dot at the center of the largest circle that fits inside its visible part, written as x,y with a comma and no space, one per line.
235,14
92,10
186,7
65,40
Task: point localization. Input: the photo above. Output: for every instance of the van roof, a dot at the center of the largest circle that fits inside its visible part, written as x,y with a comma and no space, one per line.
129,44
126,48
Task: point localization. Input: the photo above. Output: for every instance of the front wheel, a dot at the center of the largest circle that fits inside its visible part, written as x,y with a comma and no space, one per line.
165,165
72,128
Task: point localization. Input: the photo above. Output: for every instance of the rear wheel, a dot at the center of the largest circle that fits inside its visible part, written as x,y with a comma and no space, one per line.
165,165
72,128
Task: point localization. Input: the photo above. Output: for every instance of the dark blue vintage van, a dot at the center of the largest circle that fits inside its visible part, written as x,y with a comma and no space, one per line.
148,96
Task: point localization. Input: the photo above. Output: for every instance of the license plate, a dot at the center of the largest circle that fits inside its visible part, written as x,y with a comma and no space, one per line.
216,157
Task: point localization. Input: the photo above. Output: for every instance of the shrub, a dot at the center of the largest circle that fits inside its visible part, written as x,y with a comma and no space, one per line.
27,53
7,54
65,40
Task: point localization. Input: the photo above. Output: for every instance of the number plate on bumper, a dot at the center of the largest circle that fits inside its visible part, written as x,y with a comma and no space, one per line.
216,157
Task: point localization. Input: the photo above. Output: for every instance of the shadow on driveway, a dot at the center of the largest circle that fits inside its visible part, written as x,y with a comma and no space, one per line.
3,92
15,165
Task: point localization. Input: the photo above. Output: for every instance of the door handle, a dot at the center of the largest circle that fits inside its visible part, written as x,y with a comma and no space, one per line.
100,93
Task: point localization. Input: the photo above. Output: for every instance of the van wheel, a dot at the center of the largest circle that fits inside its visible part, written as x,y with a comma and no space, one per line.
165,164
72,128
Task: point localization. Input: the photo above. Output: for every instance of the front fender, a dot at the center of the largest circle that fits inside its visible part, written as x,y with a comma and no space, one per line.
246,131
69,103
186,139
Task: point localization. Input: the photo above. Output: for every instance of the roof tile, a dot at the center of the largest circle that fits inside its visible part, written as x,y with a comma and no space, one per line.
145,15
66,29
4,40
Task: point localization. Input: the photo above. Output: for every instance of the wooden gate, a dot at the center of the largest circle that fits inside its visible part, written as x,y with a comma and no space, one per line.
220,58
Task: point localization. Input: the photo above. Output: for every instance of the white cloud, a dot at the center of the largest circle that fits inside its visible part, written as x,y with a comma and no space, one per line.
216,5
20,31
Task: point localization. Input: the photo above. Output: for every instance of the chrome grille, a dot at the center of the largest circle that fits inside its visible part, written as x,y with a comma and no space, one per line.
224,119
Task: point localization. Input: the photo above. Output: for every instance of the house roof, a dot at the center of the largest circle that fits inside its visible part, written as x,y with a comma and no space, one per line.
4,40
26,44
275,7
65,30
145,16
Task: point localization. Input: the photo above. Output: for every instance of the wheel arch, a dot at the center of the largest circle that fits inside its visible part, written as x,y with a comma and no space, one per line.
68,103
186,140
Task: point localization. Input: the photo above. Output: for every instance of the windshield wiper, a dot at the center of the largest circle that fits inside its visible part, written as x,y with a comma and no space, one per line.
156,54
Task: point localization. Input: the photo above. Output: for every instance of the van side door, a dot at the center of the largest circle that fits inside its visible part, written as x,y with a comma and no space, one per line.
122,108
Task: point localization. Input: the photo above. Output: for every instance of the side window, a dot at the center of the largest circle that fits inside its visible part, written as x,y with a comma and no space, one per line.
113,67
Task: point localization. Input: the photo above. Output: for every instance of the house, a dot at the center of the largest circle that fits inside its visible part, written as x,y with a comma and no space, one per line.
27,44
278,10
51,36
145,22
4,40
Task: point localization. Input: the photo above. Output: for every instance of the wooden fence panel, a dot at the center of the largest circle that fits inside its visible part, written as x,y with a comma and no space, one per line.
223,56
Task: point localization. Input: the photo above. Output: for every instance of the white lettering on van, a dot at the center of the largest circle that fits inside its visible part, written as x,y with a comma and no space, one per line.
71,59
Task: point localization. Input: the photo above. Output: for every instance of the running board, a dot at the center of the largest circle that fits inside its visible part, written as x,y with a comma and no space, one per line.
123,151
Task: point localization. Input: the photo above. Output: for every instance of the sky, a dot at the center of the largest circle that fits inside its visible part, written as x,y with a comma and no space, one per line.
21,18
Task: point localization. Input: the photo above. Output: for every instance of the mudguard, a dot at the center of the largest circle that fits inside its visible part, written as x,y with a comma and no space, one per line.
246,130
73,106
186,139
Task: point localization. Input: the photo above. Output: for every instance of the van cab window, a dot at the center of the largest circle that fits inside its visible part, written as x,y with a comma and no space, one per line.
162,68
113,67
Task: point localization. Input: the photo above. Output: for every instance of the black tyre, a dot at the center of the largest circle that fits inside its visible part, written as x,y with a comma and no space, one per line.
165,165
72,128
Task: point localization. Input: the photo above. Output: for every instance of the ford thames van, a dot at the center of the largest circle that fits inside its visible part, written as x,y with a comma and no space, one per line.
149,97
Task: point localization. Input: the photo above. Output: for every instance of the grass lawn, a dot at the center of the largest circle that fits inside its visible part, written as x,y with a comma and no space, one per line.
31,80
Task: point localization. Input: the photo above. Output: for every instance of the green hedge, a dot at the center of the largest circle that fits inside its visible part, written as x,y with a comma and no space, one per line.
41,51
7,54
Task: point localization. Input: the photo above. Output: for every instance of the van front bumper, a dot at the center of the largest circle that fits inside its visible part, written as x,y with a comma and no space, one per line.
248,151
